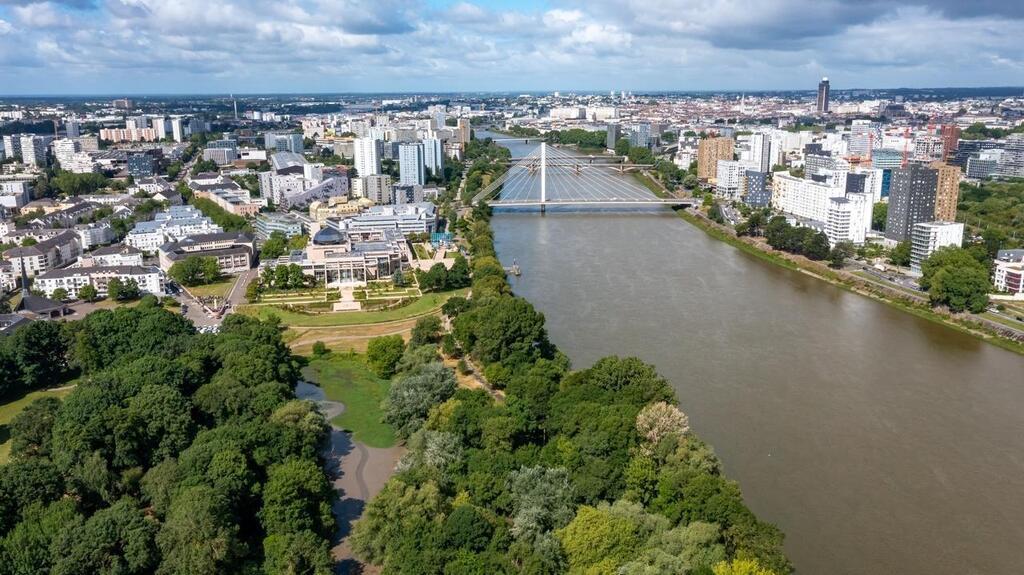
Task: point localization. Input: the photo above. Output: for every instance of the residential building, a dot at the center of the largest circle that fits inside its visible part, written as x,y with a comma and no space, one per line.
927,237
1011,164
33,150
72,279
728,179
118,135
465,133
175,224
115,255
984,165
46,254
947,191
433,156
849,218
612,137
375,188
709,152
368,152
292,142
411,165
94,234
1008,273
760,151
14,194
226,193
911,200
337,207
803,198
950,141
72,128
235,252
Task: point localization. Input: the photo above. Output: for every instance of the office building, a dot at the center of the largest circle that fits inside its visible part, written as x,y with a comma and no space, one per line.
927,237
405,218
755,189
612,137
368,152
411,165
984,165
72,128
293,181
709,152
862,137
823,89
221,152
947,191
640,136
911,200
1011,164
288,224
886,158
141,165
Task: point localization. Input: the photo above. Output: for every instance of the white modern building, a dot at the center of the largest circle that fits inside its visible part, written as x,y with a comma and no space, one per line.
927,237
14,194
374,188
72,279
405,218
849,218
1008,275
433,156
803,198
175,224
367,156
411,168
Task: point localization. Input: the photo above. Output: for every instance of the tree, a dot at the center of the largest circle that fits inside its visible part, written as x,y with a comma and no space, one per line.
542,500
427,330
598,541
195,270
32,429
274,247
467,528
622,147
410,398
118,289
115,541
660,419
302,553
200,536
398,278
383,353
879,213
39,353
296,498
60,294
954,278
741,567
434,279
458,276
900,255
26,549
816,246
319,349
715,214
840,253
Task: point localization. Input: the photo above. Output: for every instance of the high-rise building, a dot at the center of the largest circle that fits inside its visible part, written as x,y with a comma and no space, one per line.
12,145
72,128
950,141
367,156
141,165
760,151
823,89
465,133
33,150
64,151
375,188
613,136
1012,163
410,164
433,156
849,218
160,127
709,151
911,200
755,186
862,134
178,129
947,191
640,136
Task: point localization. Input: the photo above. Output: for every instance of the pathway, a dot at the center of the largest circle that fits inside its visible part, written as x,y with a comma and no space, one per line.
357,473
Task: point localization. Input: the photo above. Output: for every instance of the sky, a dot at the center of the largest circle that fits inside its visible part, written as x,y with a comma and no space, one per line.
294,46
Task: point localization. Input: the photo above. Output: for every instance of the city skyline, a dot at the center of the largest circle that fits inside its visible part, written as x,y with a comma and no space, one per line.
66,47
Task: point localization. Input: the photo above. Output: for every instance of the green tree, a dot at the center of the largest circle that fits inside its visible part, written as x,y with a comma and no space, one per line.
274,247
26,549
32,429
458,276
302,553
118,540
900,255
398,278
87,293
319,349
123,290
410,398
427,330
195,270
879,213
383,353
840,253
816,246
60,294
200,535
296,498
598,541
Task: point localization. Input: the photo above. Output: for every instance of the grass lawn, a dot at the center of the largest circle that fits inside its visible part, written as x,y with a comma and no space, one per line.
219,289
650,184
421,252
9,410
346,378
428,303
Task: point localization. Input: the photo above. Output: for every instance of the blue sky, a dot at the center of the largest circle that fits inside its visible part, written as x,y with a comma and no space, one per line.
245,46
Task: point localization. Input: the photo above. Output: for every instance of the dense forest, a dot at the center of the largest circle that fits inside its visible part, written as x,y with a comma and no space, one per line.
591,471
176,452
996,211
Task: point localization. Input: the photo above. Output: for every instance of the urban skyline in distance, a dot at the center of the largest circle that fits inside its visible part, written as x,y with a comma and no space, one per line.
71,47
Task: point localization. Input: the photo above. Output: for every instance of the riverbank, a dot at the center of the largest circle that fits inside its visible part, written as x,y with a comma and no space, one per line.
971,324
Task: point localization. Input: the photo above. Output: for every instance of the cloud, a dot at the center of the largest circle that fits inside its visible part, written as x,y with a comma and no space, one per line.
378,45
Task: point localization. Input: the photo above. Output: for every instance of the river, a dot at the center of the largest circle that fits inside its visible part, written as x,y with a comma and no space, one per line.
878,441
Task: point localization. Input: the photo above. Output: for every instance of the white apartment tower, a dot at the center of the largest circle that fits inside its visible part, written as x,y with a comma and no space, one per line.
367,156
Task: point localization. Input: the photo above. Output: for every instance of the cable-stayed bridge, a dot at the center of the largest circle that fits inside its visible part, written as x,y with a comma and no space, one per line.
551,177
